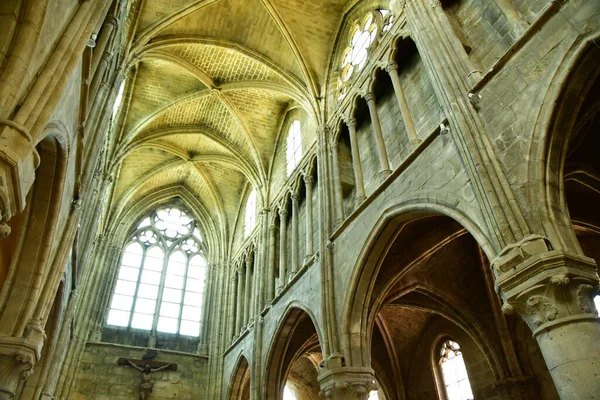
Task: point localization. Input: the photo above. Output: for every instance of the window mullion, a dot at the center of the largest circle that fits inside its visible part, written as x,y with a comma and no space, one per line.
161,288
137,286
187,266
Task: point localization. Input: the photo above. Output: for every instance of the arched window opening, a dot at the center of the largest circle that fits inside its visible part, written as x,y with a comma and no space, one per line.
374,395
363,35
294,147
161,277
118,99
454,372
597,302
288,394
250,218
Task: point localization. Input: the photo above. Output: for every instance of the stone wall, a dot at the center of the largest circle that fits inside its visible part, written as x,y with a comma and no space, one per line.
99,377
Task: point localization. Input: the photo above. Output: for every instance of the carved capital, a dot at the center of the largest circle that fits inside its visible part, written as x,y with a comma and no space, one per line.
347,383
548,289
392,66
17,358
112,20
369,96
308,179
283,212
350,122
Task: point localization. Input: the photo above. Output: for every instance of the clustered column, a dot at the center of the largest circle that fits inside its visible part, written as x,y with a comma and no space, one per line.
337,185
248,290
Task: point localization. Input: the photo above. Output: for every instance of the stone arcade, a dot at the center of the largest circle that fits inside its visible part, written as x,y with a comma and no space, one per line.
299,199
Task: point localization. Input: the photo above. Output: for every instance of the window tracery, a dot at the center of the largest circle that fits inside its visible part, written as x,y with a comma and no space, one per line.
161,277
454,372
364,35
294,147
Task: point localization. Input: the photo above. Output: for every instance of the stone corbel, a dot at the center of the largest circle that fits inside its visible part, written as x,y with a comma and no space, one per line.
17,358
18,162
549,289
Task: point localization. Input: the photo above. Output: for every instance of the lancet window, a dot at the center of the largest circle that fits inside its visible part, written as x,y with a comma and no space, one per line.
250,217
454,372
294,147
161,278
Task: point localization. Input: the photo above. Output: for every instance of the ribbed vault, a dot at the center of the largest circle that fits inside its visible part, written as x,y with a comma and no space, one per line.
208,86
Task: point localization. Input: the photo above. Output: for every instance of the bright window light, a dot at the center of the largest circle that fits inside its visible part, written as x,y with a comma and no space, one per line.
454,372
118,99
288,394
161,278
294,147
250,219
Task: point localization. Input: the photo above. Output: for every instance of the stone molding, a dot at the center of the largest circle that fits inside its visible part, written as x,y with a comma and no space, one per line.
549,289
17,358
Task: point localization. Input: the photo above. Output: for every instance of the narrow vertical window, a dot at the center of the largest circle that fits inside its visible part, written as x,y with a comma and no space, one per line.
454,372
597,302
161,278
250,218
118,100
294,147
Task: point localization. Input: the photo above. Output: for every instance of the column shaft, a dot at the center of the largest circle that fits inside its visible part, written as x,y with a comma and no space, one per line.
294,234
282,248
356,164
239,312
271,265
337,186
308,180
232,305
248,290
383,158
392,70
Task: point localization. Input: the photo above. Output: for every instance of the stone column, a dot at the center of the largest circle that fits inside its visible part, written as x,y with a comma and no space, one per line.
346,383
294,263
392,70
271,264
383,158
232,307
356,164
308,181
282,247
552,291
239,311
248,289
337,186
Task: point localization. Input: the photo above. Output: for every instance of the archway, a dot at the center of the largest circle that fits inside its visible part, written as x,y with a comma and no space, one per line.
240,384
294,359
426,277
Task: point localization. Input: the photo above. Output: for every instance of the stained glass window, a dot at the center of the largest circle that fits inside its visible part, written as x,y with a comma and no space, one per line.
161,276
454,372
294,147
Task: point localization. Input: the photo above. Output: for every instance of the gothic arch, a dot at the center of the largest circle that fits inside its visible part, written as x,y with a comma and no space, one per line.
239,389
356,314
553,128
36,238
297,336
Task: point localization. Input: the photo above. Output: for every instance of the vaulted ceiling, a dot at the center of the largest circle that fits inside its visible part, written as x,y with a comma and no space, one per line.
209,83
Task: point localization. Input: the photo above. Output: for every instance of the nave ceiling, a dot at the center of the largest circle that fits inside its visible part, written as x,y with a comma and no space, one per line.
208,88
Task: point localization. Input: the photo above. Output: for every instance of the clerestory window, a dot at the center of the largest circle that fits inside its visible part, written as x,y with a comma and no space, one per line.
294,147
454,372
363,35
250,217
118,99
161,277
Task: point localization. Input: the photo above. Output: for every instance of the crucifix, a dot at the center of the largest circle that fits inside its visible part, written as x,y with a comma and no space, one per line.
147,367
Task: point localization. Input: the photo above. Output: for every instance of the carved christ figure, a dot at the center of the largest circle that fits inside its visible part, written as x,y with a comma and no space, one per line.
146,385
